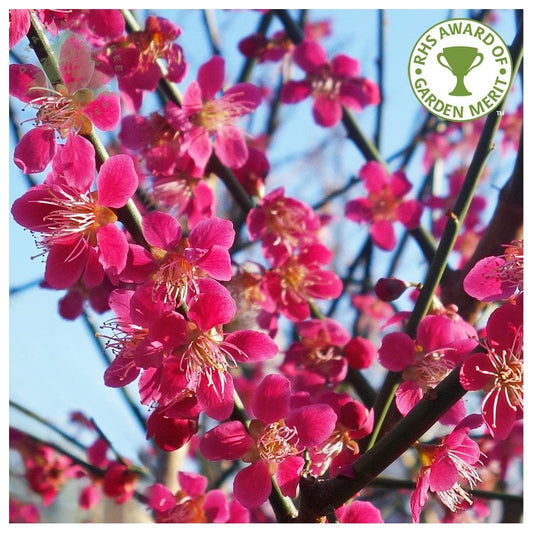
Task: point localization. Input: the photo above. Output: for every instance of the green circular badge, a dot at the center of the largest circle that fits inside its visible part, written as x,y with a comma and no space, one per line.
460,70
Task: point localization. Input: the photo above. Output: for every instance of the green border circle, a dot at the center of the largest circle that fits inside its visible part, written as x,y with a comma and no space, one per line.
447,119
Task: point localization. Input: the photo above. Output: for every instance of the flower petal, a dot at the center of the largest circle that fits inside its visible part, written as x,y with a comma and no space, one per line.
252,485
117,181
228,440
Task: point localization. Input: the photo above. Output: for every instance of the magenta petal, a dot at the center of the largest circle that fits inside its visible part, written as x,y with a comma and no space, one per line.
211,77
19,24
409,213
383,235
359,512
252,485
359,210
228,440
216,506
345,66
212,306
212,231
397,351
104,111
309,55
35,150
251,346
271,400
77,162
62,271
113,248
443,474
160,498
161,230
120,372
314,423
117,181
475,372
193,484
498,415
408,395
216,399
31,209
327,111
454,414
75,63
22,79
374,176
288,475
294,91
231,147
420,495
216,262
485,283
200,148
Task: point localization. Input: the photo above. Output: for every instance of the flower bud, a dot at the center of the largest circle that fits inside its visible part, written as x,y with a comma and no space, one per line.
388,289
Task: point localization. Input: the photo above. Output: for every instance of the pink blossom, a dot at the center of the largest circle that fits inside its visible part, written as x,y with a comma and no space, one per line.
300,278
136,59
143,333
316,360
354,422
441,343
273,444
499,371
192,503
69,108
209,353
77,226
182,261
209,116
445,465
23,513
384,205
331,84
283,224
497,277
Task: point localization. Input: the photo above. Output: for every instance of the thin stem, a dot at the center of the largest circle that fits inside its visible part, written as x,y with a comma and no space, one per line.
210,23
48,424
248,65
380,61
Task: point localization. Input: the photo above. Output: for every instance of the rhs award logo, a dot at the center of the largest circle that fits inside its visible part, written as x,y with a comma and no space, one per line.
460,69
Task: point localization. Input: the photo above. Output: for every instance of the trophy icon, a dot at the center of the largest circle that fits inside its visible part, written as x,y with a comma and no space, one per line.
460,60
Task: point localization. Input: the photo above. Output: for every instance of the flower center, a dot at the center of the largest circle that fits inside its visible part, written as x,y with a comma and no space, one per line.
276,442
323,83
175,276
62,111
384,205
216,114
207,355
76,214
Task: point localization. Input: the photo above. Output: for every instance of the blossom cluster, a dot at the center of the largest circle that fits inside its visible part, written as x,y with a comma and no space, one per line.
234,357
